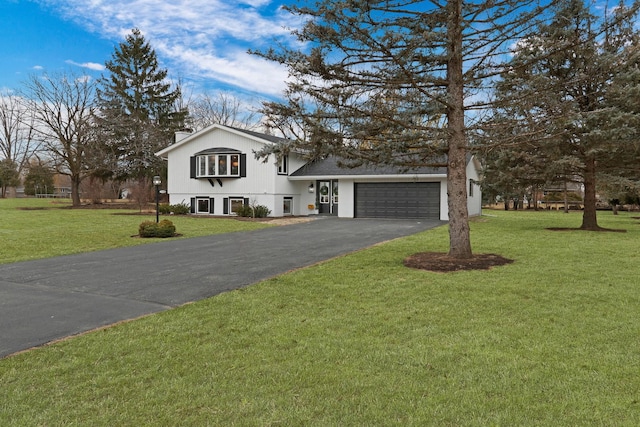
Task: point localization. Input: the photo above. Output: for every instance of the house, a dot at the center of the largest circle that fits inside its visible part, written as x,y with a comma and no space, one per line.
215,171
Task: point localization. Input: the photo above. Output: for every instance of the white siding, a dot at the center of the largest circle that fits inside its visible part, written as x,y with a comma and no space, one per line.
474,203
346,205
262,185
444,201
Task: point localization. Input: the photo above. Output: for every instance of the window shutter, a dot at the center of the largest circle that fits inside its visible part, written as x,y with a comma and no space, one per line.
225,206
193,205
192,166
243,165
211,199
246,201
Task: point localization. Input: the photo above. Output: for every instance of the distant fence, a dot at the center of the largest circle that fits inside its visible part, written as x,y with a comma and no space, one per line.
53,196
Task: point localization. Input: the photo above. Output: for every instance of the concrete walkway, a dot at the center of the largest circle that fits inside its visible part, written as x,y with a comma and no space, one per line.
49,299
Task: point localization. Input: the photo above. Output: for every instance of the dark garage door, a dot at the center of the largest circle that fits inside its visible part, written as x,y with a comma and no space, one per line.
397,200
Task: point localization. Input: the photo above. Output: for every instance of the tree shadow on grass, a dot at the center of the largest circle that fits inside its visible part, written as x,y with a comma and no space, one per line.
598,229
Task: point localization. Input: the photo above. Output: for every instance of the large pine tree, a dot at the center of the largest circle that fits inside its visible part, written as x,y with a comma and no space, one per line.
566,77
393,82
137,111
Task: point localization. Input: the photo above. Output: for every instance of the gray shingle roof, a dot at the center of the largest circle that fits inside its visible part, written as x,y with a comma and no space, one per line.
330,167
260,135
217,150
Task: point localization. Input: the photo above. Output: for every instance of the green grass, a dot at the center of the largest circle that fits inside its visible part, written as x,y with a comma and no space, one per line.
42,228
551,339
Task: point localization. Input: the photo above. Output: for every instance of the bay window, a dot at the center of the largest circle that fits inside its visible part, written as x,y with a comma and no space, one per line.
216,163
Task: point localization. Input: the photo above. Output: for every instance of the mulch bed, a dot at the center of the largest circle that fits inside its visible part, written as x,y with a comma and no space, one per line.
443,263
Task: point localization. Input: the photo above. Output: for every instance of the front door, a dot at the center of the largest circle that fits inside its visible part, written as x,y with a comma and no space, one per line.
328,197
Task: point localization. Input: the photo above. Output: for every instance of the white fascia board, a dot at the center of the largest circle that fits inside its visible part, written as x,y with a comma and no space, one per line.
165,151
367,177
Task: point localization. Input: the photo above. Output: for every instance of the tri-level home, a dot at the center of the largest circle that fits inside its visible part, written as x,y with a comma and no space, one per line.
215,170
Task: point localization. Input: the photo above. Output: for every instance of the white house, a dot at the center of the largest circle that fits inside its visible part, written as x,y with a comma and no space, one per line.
215,170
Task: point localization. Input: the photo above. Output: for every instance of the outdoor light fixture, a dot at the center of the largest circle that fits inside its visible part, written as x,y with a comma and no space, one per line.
157,181
311,188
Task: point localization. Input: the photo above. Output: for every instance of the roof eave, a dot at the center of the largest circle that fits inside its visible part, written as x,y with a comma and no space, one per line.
186,140
367,177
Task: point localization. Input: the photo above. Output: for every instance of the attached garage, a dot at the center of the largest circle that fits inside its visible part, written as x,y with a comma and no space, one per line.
397,200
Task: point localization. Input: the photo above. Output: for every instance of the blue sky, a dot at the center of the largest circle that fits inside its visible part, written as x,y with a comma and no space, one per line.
202,42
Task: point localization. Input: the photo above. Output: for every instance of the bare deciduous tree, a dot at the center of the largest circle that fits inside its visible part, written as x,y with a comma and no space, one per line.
17,142
223,109
63,107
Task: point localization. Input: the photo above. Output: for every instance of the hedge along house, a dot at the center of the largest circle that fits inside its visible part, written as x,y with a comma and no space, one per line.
215,170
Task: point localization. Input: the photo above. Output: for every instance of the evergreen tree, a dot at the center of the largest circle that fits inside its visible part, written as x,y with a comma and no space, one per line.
9,176
566,77
137,111
393,81
39,179
624,98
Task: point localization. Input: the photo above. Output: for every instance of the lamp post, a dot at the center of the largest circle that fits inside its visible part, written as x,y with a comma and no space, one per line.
157,181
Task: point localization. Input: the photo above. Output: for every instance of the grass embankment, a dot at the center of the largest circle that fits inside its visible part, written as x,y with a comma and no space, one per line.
551,339
42,228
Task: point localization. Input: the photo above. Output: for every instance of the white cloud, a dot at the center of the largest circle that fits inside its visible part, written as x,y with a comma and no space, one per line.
90,65
196,38
38,67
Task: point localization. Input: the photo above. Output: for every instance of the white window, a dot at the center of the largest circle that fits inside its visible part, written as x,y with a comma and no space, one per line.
211,162
334,193
324,192
202,205
235,204
222,165
283,165
216,165
202,166
287,207
235,165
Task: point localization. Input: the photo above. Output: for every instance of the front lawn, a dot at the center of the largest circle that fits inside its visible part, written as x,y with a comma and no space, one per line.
42,228
551,339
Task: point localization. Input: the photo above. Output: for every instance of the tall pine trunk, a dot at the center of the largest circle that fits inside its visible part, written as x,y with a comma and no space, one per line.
459,236
589,218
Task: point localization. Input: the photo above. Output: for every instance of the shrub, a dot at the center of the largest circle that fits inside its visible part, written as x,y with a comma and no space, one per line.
148,229
258,211
177,209
180,209
244,210
164,208
261,211
164,228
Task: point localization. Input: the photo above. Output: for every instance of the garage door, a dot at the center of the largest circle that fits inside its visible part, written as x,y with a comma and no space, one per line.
397,200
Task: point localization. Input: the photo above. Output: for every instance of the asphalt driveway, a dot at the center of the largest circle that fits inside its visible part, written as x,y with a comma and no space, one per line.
49,299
